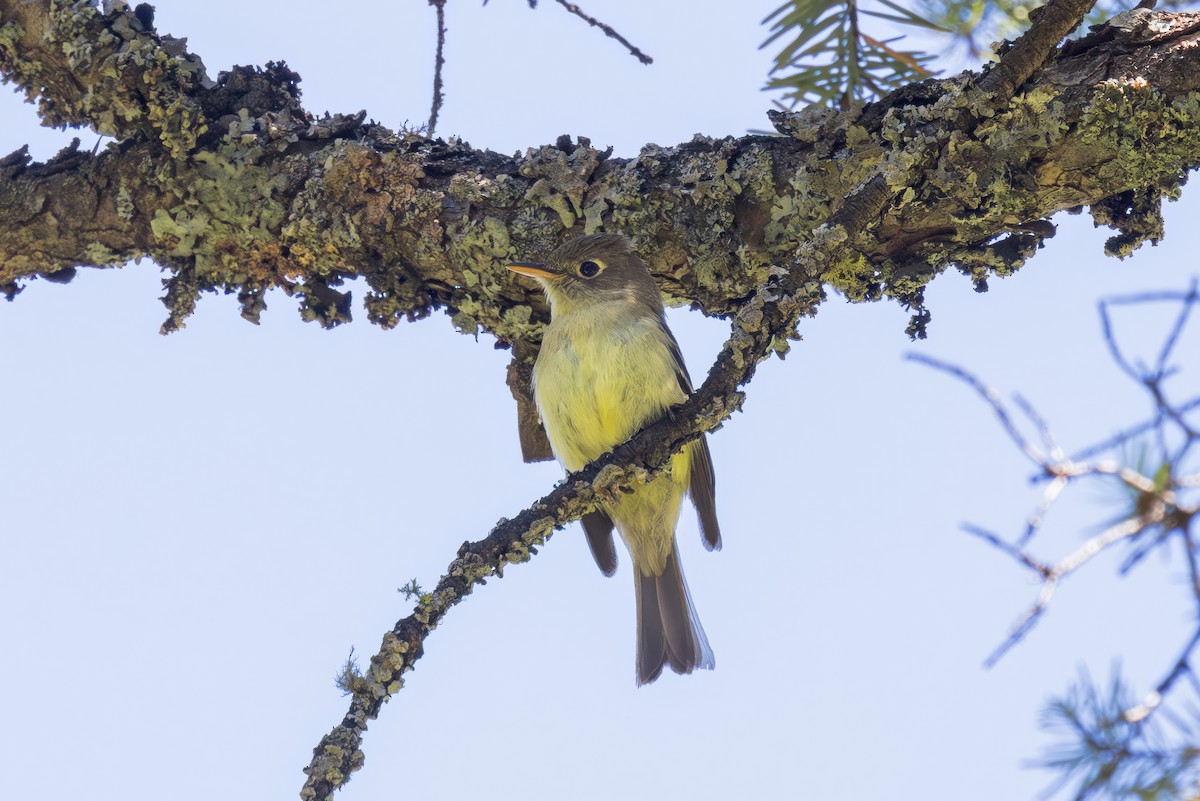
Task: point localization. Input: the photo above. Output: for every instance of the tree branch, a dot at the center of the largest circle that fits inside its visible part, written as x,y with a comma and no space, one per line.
1161,510
1051,24
609,31
233,187
438,62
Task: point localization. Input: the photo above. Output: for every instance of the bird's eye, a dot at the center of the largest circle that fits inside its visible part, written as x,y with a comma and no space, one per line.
589,269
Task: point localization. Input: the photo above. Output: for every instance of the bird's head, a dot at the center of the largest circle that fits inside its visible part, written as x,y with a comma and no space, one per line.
599,268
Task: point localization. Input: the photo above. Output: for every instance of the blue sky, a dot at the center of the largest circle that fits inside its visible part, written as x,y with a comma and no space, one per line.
200,527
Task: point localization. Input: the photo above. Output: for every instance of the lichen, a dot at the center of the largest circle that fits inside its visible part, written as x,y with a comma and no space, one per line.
131,79
101,255
1149,135
559,177
125,205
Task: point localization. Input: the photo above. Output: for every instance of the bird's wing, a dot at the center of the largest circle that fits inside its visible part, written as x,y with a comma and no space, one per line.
703,490
598,527
703,486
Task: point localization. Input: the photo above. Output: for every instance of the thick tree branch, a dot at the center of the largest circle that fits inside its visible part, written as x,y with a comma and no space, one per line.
234,187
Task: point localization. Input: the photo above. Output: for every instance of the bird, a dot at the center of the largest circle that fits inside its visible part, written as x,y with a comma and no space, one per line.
609,366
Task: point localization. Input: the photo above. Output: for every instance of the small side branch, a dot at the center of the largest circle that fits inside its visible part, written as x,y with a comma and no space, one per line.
991,397
438,62
1051,24
609,31
1053,576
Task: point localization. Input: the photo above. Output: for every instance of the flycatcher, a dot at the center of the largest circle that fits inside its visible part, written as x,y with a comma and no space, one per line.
607,368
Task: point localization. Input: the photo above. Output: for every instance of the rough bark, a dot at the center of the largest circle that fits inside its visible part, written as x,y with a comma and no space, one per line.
232,186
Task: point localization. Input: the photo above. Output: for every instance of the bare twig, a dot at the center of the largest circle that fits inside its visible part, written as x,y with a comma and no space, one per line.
1048,441
1124,530
1049,495
608,30
438,62
1162,509
1189,553
1110,339
990,396
993,539
1181,668
1154,381
1140,552
1185,309
1129,434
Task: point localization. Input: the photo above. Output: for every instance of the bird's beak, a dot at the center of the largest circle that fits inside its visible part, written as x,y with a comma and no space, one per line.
534,270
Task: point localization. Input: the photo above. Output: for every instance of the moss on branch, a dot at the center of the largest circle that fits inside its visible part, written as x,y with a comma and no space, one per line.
233,187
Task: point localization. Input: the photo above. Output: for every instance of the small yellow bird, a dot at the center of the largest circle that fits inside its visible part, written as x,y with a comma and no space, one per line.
608,367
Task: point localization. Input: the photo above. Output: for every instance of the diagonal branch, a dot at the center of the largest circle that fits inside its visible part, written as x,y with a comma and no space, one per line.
609,31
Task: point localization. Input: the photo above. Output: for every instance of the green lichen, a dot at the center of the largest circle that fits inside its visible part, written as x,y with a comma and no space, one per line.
795,212
560,178
483,242
226,220
1149,134
544,193
754,173
855,277
125,205
130,79
101,255
10,37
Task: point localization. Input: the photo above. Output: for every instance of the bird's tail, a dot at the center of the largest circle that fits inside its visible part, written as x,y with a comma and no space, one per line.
669,632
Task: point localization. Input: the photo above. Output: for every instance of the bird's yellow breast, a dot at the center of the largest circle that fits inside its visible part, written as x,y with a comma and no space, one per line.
604,372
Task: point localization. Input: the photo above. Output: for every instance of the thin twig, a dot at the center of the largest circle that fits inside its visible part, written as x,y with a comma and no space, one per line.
1016,553
1166,409
1182,667
1128,434
438,62
1139,553
1194,680
1154,296
1114,349
1189,552
1048,441
1180,322
1077,559
990,396
1051,494
608,30
1154,381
